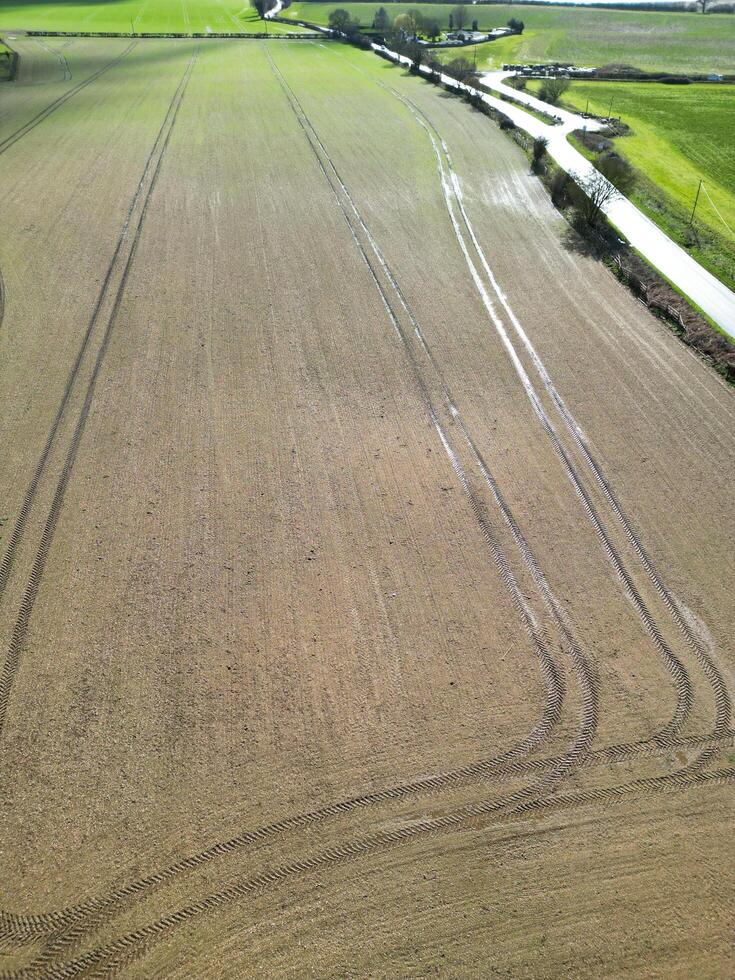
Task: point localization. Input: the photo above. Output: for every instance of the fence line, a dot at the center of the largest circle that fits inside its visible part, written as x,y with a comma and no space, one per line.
642,290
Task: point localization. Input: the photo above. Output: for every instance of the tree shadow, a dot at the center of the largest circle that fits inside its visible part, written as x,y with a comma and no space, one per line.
579,244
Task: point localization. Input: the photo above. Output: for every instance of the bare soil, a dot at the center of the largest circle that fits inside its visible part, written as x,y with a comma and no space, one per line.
365,551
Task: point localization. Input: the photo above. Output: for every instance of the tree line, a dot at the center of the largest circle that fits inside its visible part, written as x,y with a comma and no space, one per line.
411,24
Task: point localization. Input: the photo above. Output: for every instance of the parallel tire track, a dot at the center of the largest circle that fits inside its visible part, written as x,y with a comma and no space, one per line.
142,198
60,921
6,563
130,946
106,960
63,63
505,762
21,929
723,705
682,681
536,633
715,677
57,103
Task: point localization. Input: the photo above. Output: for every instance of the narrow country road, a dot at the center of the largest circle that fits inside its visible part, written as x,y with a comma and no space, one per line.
712,296
672,261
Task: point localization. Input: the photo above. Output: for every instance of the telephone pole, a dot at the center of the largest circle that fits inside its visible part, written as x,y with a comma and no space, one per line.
701,181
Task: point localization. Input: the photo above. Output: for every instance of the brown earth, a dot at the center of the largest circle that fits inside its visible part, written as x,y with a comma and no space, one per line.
309,529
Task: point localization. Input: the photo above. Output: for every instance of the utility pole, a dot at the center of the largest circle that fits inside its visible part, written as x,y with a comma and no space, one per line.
587,108
701,181
609,111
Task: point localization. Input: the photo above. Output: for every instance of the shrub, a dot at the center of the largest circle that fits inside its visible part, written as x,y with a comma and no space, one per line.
552,89
559,188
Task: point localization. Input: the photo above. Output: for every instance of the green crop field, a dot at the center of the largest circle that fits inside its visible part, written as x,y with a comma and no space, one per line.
649,40
160,16
679,135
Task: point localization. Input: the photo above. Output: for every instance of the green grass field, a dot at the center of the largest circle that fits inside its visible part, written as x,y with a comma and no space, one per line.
648,40
680,134
161,16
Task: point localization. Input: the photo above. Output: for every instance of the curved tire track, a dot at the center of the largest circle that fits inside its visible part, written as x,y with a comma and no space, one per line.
37,924
682,682
723,705
107,959
61,100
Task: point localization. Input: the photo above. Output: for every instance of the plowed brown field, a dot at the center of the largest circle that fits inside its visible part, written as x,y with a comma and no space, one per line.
365,548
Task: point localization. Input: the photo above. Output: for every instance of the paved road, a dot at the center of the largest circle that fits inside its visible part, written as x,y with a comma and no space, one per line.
712,296
669,258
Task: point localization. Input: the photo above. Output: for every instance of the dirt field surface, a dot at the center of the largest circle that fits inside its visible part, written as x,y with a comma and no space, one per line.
365,549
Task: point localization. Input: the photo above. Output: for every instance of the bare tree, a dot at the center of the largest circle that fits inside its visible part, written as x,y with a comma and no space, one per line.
459,17
591,195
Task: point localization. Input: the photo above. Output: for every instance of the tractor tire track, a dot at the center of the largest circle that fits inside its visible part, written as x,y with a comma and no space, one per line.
61,100
681,679
142,198
73,923
8,558
63,63
536,633
35,925
723,706
108,959
549,668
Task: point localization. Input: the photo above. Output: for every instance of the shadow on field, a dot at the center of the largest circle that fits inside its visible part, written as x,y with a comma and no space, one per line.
572,241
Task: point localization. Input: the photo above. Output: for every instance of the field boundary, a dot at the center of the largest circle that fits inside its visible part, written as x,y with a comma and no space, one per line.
262,36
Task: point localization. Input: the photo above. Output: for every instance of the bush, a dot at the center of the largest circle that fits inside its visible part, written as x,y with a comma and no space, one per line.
559,188
552,89
617,170
506,122
540,145
459,68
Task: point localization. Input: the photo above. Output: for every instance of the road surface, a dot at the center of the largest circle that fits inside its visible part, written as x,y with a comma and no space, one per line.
712,296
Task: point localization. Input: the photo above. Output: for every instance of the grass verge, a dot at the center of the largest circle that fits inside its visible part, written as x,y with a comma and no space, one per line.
679,135
651,40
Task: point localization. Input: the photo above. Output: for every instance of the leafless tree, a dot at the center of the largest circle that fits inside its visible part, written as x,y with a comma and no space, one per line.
459,17
594,192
